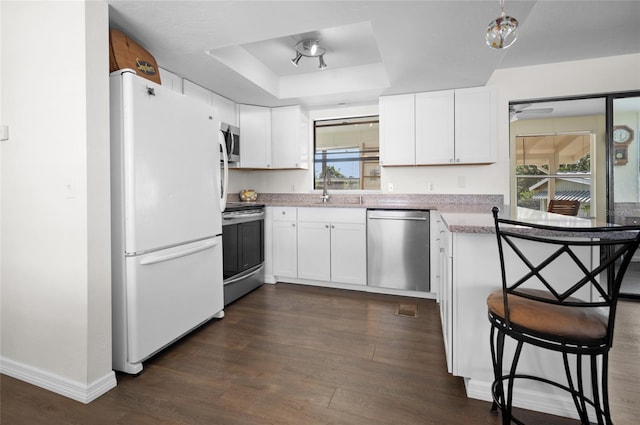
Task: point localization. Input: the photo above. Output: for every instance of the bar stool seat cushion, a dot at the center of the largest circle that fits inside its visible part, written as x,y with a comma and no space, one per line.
551,319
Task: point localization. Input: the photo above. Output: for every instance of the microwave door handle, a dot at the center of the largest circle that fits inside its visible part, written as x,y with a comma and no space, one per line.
233,144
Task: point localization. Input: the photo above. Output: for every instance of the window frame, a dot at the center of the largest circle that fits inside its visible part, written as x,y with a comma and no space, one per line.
362,159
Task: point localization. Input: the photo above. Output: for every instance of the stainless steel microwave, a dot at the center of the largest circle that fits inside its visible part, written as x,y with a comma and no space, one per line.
231,136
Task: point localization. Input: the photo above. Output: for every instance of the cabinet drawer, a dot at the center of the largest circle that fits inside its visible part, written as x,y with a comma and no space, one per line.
333,215
284,213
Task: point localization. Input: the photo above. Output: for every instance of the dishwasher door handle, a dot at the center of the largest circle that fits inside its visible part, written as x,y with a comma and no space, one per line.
381,217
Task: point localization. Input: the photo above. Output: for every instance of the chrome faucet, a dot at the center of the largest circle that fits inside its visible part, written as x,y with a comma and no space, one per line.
325,193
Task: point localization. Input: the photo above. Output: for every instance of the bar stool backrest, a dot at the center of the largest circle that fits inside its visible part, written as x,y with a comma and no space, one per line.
574,267
563,207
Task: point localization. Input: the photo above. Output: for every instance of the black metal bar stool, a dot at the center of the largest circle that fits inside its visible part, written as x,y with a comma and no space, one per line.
559,291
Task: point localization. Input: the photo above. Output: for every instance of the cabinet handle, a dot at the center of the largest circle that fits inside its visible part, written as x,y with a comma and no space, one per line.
326,226
450,159
293,225
457,159
333,227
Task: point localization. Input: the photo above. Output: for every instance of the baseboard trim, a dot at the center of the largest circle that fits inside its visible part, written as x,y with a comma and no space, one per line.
553,404
58,384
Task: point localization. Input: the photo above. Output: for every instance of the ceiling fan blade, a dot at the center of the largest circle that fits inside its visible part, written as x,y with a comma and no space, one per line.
520,107
536,111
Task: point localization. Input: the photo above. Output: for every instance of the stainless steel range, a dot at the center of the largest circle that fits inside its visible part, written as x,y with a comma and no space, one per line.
242,249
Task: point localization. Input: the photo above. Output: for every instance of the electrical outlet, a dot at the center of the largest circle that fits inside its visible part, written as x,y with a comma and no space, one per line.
429,187
390,187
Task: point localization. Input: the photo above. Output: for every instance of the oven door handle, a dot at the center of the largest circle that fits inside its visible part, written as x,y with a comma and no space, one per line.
243,276
243,218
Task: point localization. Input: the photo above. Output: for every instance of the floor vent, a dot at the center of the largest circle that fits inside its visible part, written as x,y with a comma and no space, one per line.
407,310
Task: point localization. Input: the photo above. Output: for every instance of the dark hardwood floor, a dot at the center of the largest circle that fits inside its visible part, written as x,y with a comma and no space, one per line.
290,354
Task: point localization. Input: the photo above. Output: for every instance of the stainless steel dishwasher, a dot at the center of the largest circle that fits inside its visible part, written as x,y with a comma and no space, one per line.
398,249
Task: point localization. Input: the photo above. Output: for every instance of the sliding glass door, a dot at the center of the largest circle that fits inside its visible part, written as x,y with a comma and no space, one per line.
624,182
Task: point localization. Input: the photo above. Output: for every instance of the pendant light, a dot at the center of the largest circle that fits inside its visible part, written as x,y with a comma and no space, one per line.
502,32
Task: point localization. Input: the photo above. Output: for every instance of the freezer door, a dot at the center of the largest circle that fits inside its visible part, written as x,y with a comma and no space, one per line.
170,155
170,292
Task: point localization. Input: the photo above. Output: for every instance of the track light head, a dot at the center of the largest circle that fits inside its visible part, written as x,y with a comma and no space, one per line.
296,59
323,65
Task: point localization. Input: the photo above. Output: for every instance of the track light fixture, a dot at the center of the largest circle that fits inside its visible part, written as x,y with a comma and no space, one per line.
502,32
310,48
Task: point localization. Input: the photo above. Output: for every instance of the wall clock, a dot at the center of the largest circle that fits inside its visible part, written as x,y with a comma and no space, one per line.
622,135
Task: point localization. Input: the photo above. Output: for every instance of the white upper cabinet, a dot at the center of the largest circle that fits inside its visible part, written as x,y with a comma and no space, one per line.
476,125
224,109
255,136
435,139
273,138
289,137
171,80
437,128
397,129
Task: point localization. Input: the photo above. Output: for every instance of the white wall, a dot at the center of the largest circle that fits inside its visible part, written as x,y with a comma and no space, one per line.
628,173
56,304
593,76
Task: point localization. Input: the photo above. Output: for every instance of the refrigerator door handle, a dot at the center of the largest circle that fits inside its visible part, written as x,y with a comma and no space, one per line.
159,257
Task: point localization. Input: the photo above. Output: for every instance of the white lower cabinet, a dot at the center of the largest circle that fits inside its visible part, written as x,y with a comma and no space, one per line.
284,242
348,253
445,293
314,251
331,244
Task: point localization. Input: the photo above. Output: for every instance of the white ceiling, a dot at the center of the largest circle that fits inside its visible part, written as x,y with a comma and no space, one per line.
243,49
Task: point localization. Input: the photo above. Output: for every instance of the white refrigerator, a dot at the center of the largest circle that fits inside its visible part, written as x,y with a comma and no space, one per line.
166,218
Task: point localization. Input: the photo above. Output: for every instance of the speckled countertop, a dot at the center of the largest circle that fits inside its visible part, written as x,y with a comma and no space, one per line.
482,222
461,213
440,202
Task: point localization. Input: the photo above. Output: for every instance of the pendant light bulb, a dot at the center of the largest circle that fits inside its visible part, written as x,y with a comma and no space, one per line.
502,32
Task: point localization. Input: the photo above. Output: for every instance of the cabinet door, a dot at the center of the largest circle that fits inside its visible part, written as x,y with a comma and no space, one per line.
224,109
255,136
435,128
446,305
349,253
475,125
434,252
285,249
397,130
289,137
171,80
197,92
314,251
